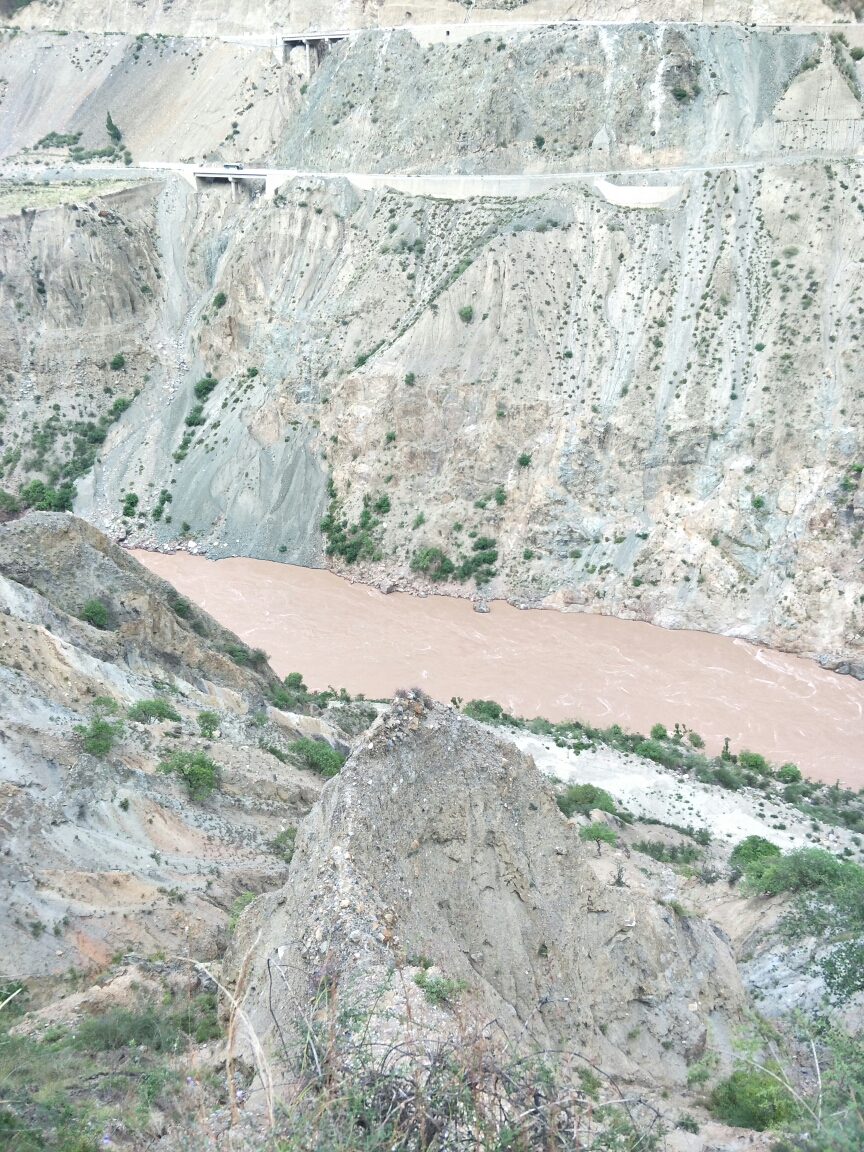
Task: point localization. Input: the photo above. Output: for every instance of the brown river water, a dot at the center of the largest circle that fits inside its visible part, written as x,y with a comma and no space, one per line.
536,663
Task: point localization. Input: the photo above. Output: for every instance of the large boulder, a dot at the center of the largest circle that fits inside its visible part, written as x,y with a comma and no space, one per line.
441,843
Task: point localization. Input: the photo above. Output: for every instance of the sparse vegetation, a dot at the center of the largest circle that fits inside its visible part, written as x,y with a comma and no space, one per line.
99,735
145,711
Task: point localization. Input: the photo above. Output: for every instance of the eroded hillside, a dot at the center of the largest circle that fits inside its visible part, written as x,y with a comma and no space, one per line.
653,412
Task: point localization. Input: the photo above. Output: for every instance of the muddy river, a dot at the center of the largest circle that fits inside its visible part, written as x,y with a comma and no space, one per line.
553,664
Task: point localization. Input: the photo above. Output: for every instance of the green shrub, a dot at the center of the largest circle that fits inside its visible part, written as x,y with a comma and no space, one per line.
754,762
500,495
130,503
196,417
752,849
584,797
8,504
695,739
680,93
283,844
181,606
539,141
803,869
98,736
118,361
208,722
599,833
659,753
658,732
486,711
668,853
43,498
204,387
788,774
95,613
466,314
156,709
197,771
243,656
390,437
318,755
727,777
410,378
220,300
751,1098
382,505
433,563
119,1028
112,129
241,902
524,460
439,989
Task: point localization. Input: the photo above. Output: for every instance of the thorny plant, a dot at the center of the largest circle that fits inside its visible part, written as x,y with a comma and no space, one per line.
344,1089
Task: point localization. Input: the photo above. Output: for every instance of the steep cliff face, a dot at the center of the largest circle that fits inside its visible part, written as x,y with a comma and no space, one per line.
653,412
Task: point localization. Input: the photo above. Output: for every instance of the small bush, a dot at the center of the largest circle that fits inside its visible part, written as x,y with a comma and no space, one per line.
242,901
208,722
599,833
434,563
524,460
197,771
439,989
680,93
584,797
486,711
118,361
119,1028
754,762
752,849
156,709
243,656
695,739
318,755
204,387
668,853
283,844
728,778
43,498
658,732
466,314
220,300
410,378
539,142
751,1098
788,774
181,606
196,417
500,496
95,613
130,503
804,869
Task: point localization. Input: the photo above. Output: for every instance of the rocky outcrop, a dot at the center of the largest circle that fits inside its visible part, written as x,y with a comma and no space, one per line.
100,852
441,844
